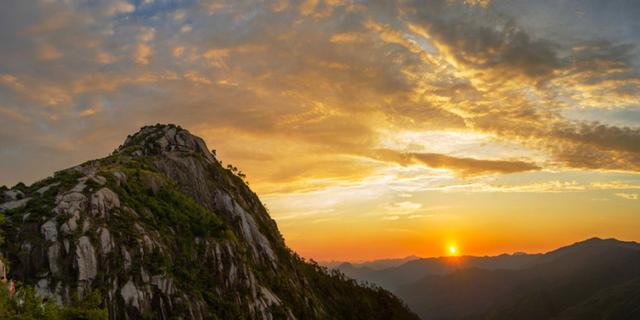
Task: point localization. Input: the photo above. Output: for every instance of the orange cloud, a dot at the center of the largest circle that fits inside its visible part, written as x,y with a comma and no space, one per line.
464,166
333,77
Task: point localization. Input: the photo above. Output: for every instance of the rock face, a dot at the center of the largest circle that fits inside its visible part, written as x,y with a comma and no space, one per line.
85,260
163,231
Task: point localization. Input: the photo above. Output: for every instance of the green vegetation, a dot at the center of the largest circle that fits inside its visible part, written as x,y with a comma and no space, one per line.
330,294
20,186
26,305
168,208
179,219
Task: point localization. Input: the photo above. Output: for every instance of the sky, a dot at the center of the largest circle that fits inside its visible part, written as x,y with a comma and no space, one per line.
370,129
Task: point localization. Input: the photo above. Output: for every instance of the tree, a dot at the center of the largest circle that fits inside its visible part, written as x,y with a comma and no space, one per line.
20,186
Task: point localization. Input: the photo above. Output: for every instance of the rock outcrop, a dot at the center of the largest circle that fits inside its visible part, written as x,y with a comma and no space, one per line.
162,230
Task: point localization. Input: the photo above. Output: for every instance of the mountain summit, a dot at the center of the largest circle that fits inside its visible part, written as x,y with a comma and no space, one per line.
162,230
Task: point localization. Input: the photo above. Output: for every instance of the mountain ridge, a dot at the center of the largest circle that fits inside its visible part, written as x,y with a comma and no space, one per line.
161,229
391,278
563,283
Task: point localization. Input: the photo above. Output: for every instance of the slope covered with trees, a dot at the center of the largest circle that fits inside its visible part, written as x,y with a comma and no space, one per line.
160,229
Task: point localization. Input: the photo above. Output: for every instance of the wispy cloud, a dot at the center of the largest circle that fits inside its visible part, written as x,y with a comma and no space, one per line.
303,94
628,196
462,165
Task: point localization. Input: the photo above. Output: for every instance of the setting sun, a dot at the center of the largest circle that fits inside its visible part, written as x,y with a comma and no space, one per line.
453,250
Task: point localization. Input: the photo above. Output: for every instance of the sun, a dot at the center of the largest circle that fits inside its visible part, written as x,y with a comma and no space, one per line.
453,250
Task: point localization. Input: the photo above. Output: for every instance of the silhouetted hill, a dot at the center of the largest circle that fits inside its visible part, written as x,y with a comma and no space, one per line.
617,302
414,270
378,264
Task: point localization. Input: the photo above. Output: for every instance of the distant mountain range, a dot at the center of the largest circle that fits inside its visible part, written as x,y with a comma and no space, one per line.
416,269
592,279
372,264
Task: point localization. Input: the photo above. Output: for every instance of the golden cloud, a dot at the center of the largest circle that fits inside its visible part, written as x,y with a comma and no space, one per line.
462,165
332,77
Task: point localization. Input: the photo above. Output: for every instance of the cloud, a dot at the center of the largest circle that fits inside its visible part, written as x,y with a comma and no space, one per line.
471,166
628,196
14,116
461,165
402,208
519,82
602,136
118,6
48,52
597,146
482,3
316,85
179,15
307,7
484,40
142,54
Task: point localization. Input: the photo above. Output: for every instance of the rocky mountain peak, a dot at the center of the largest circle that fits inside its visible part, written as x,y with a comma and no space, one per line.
160,229
164,138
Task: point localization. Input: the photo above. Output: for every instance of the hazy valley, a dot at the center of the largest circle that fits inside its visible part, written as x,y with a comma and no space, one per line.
592,279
